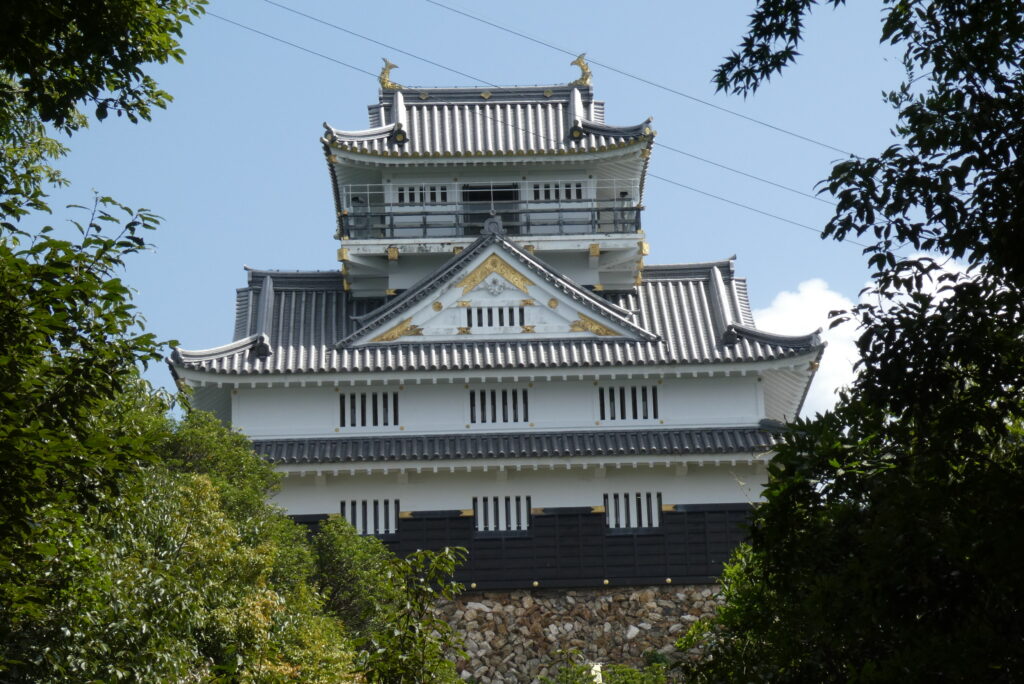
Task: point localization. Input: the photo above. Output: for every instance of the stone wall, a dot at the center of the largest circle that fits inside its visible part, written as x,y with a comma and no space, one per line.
514,636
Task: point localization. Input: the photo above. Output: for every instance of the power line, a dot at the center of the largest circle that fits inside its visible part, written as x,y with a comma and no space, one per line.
666,88
376,42
744,173
294,45
747,207
535,133
480,80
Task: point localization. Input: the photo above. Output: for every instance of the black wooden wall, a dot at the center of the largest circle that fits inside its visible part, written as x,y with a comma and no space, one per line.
574,547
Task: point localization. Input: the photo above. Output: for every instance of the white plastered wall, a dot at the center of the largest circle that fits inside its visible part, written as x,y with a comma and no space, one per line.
444,490
429,408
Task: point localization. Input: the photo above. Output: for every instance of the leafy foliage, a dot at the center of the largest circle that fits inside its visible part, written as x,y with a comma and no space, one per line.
63,53
59,56
388,603
885,547
70,342
574,670
186,574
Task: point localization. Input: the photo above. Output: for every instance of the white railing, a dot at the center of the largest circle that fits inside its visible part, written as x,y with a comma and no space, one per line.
530,207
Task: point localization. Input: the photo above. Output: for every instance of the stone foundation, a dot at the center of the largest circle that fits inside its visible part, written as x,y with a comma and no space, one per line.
514,636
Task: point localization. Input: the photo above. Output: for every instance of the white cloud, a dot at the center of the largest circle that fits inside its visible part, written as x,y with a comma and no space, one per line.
800,312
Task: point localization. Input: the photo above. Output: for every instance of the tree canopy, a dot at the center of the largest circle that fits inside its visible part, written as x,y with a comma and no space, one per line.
885,548
132,546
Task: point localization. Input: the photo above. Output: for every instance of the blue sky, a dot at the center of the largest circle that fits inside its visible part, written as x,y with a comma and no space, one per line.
235,167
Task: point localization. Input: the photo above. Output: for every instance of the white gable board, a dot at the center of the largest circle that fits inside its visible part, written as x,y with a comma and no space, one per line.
496,296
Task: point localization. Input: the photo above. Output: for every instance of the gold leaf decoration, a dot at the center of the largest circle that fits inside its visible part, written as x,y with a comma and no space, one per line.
403,329
587,324
385,76
494,264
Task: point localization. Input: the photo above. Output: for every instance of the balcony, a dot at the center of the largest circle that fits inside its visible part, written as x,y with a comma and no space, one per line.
453,210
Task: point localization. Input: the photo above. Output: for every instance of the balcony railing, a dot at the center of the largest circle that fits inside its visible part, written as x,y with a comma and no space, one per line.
528,208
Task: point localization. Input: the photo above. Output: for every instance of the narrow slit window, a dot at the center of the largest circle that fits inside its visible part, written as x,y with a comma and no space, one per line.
633,403
371,516
367,409
498,406
501,513
632,510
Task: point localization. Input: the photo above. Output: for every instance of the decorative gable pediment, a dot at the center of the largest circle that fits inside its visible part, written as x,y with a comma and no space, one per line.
493,292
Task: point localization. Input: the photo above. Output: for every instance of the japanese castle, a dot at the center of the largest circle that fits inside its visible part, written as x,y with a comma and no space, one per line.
495,365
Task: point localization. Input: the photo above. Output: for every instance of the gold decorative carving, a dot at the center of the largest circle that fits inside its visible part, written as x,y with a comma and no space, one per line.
343,254
456,250
529,248
585,75
528,302
599,288
345,285
486,94
645,248
587,324
403,329
385,76
424,95
549,92
494,264
464,330
437,306
595,249
553,303
528,329
639,279
392,254
463,303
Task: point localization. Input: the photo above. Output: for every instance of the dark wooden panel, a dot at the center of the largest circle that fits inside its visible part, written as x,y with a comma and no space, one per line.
568,547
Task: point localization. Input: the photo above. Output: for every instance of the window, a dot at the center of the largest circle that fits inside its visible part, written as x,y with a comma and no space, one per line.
368,409
554,191
628,403
501,513
626,510
371,516
421,194
499,406
495,316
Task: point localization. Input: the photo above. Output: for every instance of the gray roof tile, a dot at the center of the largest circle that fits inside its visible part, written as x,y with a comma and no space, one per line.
677,442
292,322
486,121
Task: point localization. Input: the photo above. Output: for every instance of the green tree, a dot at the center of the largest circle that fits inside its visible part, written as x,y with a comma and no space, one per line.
186,574
60,56
388,603
69,335
885,548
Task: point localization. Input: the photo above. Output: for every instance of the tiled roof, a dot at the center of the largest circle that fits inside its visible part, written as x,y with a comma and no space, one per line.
597,305
527,444
292,322
480,121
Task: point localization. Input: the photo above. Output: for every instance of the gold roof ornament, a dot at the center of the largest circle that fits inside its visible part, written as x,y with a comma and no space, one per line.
385,76
581,62
403,329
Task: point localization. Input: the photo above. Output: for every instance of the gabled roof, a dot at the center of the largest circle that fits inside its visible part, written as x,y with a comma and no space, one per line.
607,313
377,448
291,323
459,122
